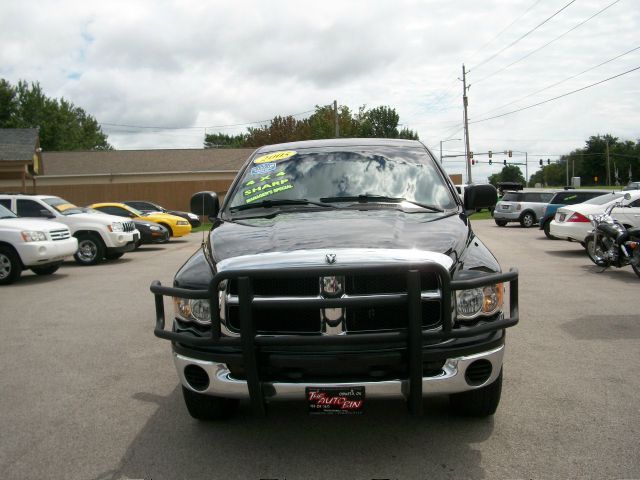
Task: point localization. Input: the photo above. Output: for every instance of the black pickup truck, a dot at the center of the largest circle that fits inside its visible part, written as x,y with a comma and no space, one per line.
337,272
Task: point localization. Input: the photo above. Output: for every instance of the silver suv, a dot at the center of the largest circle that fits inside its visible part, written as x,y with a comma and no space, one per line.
524,207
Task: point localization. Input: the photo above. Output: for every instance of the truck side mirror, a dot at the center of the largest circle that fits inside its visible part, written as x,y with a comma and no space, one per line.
205,204
480,196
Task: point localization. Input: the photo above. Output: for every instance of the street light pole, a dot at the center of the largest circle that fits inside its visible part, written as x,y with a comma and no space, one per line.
441,142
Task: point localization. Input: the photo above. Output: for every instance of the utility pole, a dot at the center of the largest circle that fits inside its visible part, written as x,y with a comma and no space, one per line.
335,115
608,168
465,102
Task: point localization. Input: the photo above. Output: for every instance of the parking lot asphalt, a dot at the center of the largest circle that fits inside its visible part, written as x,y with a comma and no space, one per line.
88,392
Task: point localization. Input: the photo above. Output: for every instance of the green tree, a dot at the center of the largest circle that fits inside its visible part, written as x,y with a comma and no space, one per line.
63,126
223,140
509,173
377,122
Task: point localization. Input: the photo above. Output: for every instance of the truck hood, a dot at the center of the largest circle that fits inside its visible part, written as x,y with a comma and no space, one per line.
355,237
341,229
97,217
19,224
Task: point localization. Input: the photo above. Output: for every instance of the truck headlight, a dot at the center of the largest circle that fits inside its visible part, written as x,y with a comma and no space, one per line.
196,310
116,227
474,302
33,236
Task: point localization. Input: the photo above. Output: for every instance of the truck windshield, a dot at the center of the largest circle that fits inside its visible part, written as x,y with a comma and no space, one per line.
332,173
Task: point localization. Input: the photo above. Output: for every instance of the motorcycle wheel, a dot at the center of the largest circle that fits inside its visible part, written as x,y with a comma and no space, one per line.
635,261
595,251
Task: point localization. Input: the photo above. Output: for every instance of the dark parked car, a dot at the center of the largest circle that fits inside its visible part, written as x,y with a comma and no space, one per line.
336,272
147,207
560,199
151,232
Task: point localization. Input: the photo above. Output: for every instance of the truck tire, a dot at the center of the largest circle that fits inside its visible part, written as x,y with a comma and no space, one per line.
501,223
207,408
481,402
10,266
527,220
90,249
48,270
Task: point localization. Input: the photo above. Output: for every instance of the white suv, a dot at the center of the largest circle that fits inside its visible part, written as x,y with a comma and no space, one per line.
99,235
35,244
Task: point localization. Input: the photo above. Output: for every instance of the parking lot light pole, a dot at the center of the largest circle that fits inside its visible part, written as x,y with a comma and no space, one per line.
447,140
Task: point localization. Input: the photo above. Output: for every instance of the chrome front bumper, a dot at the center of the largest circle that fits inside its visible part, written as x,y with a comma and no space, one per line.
450,380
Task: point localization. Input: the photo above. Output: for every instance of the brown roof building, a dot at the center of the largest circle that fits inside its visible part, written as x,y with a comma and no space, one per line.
166,177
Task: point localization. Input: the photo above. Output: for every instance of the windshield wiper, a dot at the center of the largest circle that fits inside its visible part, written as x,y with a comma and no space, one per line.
277,203
379,199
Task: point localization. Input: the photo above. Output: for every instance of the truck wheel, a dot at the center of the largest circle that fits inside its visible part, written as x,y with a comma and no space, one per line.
90,249
501,223
10,266
206,408
113,256
527,220
48,270
547,230
480,402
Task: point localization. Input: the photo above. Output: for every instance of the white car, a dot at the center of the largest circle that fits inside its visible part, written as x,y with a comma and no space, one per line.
572,221
99,235
26,243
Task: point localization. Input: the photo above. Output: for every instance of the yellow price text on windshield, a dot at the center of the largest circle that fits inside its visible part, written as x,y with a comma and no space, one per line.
64,206
274,157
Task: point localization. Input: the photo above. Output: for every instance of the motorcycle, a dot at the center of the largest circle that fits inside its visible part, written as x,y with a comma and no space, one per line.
611,244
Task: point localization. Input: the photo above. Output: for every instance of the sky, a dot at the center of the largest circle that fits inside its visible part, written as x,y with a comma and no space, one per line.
161,74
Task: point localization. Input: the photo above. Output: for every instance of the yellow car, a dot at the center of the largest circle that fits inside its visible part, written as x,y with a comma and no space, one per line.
177,226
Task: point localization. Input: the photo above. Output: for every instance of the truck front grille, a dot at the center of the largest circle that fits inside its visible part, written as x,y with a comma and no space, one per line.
60,234
309,320
128,226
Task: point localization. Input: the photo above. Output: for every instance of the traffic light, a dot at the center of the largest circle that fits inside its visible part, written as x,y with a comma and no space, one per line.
490,161
473,162
548,161
470,154
490,153
504,162
510,153
540,162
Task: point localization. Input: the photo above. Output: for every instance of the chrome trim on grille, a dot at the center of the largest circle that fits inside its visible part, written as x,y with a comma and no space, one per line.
60,234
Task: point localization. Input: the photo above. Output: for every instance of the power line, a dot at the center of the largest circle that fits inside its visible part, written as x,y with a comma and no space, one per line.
199,127
546,44
522,37
562,81
506,28
555,98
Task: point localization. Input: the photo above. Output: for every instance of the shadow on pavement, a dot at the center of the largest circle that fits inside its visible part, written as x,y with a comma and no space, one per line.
385,442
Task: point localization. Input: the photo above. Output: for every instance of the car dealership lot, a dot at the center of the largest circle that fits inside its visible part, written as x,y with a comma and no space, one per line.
89,392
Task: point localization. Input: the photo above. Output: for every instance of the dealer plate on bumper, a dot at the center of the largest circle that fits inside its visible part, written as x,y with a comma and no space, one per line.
335,400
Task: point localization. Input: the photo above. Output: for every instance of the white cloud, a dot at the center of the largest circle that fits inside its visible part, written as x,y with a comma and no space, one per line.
186,64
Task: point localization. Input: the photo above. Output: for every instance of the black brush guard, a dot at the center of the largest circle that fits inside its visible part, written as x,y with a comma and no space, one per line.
414,335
